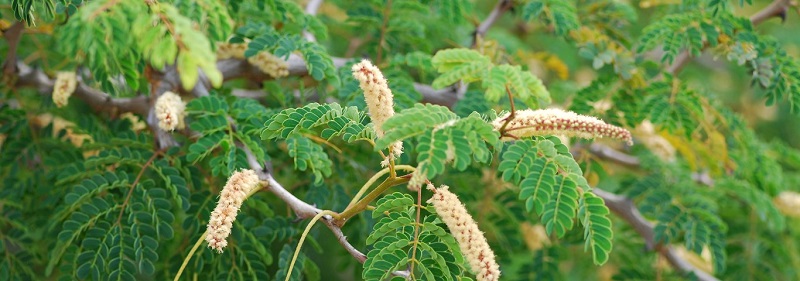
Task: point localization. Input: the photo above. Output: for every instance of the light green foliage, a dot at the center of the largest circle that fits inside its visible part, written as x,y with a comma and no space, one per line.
441,137
470,66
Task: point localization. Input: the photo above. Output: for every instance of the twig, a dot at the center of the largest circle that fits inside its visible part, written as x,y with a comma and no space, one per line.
499,9
609,153
30,77
624,207
301,209
13,35
311,8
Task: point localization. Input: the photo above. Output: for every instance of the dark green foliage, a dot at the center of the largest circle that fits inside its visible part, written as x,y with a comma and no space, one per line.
549,182
219,124
437,254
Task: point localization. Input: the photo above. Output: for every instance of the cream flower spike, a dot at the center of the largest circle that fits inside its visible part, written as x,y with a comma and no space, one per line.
170,110
470,239
542,122
231,50
269,64
788,203
239,185
66,82
379,98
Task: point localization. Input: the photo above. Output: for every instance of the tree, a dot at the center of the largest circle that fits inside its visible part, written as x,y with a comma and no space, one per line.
434,140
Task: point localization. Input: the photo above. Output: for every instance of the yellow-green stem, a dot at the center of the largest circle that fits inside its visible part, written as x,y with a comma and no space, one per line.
363,203
191,253
416,232
372,181
303,238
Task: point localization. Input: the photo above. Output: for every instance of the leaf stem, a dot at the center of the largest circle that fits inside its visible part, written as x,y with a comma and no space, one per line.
191,253
372,181
135,182
302,239
416,232
362,204
510,116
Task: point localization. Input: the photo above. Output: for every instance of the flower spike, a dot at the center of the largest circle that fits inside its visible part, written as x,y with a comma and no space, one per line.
542,122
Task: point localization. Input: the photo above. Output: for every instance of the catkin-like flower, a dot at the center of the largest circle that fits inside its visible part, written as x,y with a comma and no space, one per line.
170,110
230,199
264,61
788,203
470,239
231,50
379,98
270,64
553,121
66,82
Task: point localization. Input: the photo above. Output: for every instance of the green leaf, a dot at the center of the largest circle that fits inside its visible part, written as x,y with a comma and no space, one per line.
558,213
594,216
413,122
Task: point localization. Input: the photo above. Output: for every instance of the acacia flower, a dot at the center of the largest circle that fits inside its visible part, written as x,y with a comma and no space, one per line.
233,194
264,61
170,110
270,64
788,203
231,50
542,122
379,98
470,239
66,82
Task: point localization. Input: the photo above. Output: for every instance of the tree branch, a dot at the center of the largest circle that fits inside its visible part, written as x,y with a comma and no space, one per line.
311,8
625,209
301,209
499,9
777,8
30,77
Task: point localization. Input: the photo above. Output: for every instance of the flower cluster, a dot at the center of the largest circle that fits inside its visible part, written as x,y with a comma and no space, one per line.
231,50
553,121
379,98
264,61
788,202
239,185
270,64
170,110
470,239
66,82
